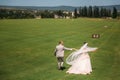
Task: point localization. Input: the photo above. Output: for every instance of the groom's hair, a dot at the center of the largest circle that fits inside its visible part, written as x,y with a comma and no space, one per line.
60,42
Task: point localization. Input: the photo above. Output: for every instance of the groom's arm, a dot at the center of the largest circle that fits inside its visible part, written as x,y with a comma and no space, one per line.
55,52
65,48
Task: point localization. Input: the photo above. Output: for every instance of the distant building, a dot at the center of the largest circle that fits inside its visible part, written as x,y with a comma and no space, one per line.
37,17
56,16
72,14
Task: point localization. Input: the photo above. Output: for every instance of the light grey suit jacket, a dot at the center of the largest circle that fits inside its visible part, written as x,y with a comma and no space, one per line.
59,51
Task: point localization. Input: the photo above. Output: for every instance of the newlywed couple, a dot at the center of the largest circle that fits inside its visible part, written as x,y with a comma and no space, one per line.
79,59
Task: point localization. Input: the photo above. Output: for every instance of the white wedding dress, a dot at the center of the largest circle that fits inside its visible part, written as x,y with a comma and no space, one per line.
80,61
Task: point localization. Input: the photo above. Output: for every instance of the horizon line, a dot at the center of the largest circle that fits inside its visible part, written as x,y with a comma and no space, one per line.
60,5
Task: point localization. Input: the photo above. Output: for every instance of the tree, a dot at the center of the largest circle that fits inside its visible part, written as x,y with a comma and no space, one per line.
75,13
109,13
80,11
89,14
47,14
96,11
85,11
114,14
60,13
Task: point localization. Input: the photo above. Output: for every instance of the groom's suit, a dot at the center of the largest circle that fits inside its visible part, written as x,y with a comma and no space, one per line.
59,53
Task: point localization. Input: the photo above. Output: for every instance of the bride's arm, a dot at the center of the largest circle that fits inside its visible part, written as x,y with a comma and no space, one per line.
90,49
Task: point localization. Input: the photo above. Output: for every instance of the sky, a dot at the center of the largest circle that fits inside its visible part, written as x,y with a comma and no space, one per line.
59,2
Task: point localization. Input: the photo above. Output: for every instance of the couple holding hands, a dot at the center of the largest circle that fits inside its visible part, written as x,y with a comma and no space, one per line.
78,59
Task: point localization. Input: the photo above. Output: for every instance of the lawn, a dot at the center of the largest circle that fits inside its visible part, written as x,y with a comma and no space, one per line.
27,46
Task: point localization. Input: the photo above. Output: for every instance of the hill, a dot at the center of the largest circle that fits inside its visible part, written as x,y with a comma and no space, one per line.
68,8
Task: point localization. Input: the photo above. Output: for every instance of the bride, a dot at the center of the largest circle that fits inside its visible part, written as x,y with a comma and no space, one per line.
80,60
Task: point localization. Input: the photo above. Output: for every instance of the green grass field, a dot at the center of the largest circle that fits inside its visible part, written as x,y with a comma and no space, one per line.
27,46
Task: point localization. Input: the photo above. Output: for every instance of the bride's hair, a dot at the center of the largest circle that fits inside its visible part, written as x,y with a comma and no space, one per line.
84,42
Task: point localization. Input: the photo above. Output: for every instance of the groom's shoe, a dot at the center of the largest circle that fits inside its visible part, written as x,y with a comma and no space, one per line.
59,68
62,68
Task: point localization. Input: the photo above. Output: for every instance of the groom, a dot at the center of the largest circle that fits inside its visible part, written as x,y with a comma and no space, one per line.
59,53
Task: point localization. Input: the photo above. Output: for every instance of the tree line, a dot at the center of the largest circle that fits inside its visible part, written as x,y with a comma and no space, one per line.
91,11
95,12
15,14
